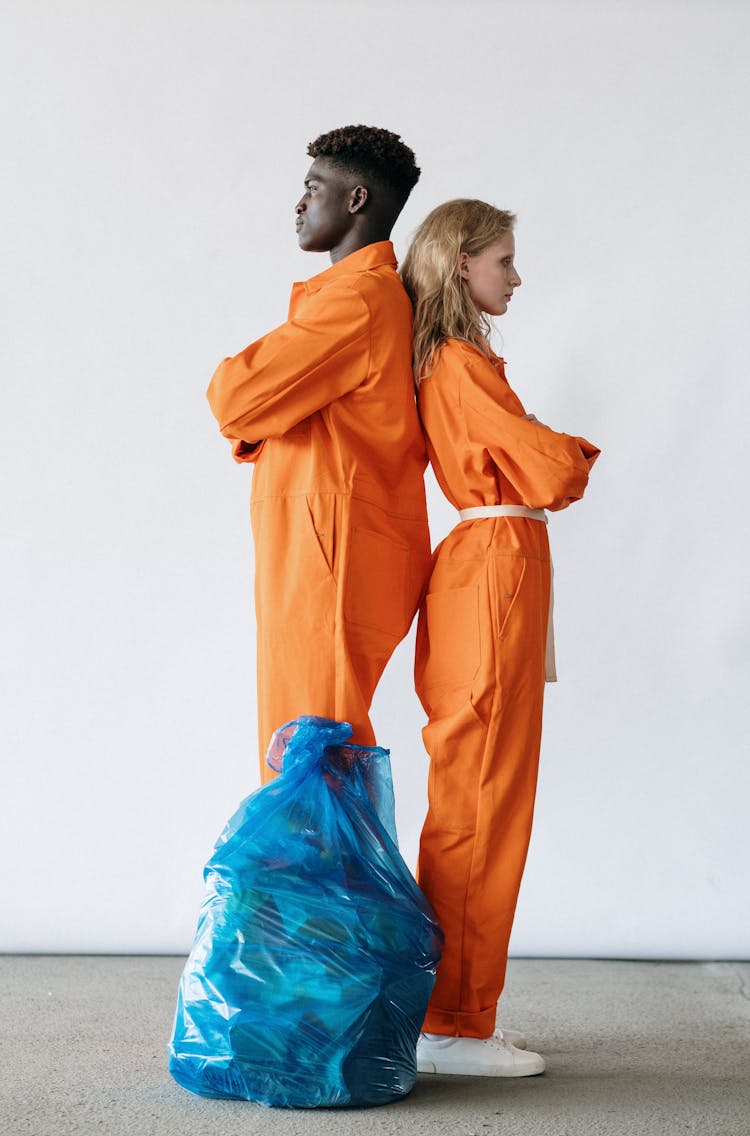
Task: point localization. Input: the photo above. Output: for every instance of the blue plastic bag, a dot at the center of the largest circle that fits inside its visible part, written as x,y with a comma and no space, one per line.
315,953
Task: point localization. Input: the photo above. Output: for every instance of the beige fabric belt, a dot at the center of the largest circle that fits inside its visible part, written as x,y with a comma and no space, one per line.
477,513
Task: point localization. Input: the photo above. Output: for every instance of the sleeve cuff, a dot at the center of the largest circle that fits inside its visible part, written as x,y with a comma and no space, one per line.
247,451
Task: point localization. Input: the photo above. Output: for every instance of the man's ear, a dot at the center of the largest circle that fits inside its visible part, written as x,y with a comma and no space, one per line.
463,265
357,198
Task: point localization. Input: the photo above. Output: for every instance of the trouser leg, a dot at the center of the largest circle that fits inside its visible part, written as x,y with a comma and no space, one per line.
313,675
483,770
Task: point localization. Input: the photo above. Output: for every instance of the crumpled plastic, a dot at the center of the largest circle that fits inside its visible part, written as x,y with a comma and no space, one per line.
315,953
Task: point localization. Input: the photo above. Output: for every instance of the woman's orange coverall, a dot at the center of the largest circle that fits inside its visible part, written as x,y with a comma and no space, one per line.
480,669
324,405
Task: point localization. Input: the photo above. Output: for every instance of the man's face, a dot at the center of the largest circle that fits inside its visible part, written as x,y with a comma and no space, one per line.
323,215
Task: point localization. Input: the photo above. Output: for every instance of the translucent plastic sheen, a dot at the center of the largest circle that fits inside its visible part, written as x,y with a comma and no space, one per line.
315,953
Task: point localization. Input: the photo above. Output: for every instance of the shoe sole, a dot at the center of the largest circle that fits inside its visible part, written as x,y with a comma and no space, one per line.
431,1067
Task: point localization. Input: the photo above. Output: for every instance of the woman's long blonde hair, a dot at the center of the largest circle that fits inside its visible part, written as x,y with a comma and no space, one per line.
443,308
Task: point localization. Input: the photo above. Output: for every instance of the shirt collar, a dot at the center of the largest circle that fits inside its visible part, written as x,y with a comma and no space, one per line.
362,260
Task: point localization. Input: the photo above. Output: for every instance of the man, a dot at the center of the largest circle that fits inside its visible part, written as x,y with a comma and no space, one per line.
324,406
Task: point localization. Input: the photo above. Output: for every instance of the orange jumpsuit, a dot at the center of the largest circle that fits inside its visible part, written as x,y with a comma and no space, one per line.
480,669
324,406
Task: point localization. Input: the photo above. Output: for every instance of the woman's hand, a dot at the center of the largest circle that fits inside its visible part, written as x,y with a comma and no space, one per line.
533,418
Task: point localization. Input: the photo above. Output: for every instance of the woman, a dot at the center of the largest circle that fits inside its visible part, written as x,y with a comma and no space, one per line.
484,636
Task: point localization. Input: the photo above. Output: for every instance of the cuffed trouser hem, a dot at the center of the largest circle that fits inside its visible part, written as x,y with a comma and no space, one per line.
480,1024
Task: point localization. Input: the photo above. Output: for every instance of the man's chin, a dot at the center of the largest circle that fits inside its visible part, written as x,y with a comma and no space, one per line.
309,244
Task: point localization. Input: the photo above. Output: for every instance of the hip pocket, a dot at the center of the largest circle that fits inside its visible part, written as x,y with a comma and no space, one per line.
323,511
510,572
377,583
449,647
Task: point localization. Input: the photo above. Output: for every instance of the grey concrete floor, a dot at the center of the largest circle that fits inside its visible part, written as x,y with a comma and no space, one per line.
635,1048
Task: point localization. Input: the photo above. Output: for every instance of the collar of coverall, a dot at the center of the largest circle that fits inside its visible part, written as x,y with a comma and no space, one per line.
362,260
496,360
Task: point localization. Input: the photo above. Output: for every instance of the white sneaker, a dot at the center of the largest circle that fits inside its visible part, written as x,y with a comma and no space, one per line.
476,1057
513,1037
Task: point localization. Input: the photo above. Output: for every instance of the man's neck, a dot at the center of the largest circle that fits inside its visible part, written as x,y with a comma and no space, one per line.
354,241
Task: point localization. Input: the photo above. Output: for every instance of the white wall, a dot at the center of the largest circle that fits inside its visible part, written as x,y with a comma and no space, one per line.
155,152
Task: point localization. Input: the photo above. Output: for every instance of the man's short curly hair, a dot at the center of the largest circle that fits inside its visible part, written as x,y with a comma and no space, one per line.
371,152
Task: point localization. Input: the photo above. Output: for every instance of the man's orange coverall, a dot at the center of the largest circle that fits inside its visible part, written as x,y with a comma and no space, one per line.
324,405
480,669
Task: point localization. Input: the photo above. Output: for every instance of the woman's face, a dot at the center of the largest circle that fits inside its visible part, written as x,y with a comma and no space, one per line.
491,275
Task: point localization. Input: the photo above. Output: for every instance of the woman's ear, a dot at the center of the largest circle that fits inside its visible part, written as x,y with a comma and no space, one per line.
463,265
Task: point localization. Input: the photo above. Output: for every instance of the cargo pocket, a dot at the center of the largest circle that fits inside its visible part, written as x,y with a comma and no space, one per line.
377,582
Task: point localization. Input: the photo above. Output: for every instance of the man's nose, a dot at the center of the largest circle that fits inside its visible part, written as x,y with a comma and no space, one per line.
299,207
